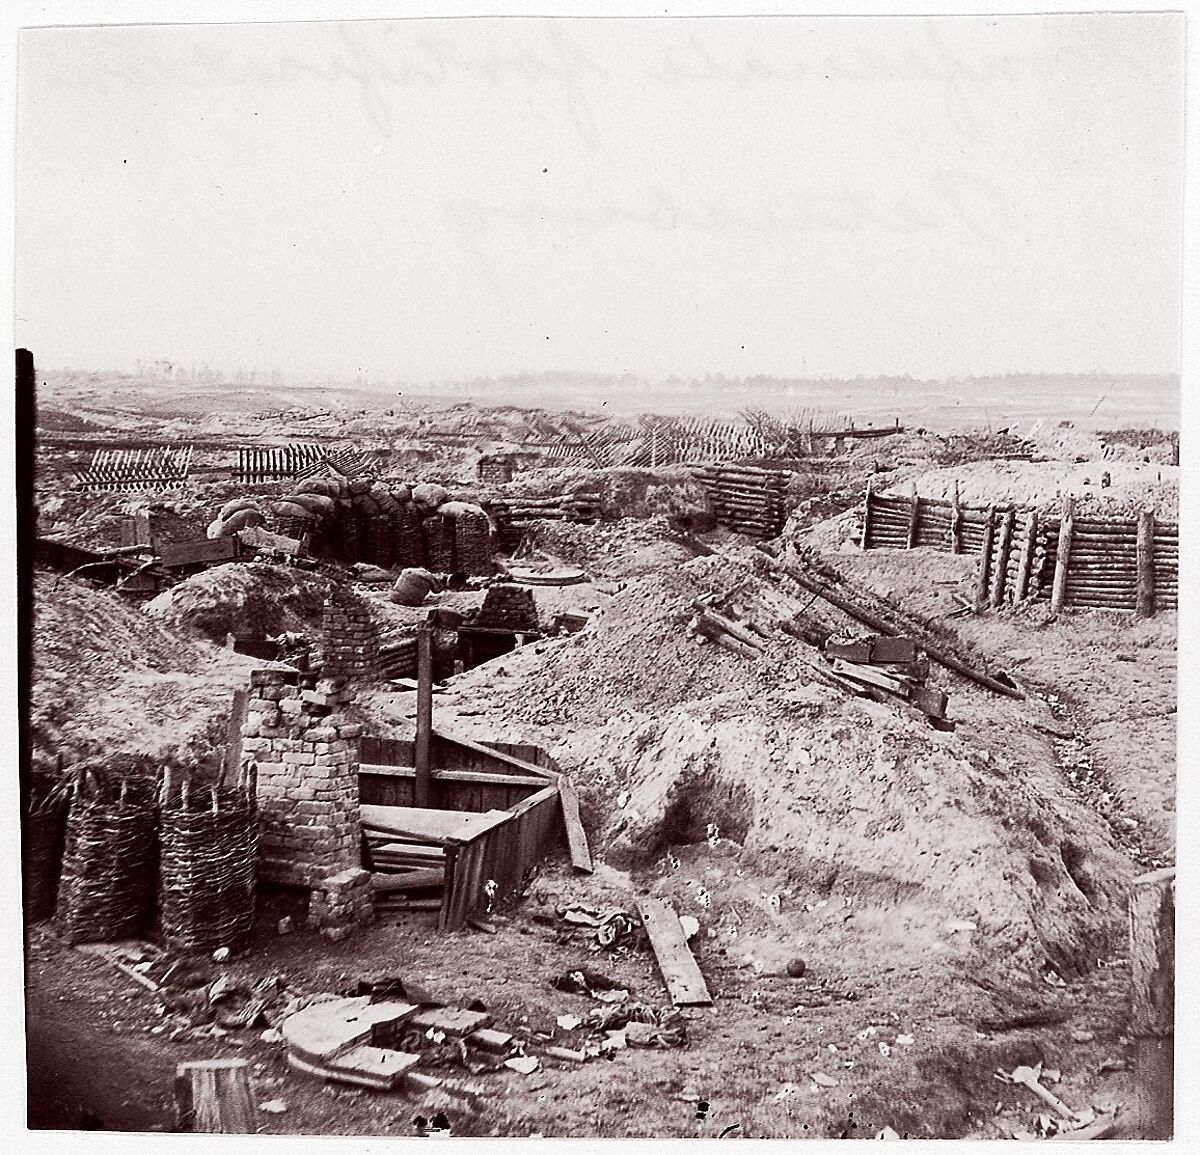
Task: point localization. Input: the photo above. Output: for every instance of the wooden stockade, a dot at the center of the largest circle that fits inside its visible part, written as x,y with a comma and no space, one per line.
349,462
136,468
745,498
257,464
1073,561
209,842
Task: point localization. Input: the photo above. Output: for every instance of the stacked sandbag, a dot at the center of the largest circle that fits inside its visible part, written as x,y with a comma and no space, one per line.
241,513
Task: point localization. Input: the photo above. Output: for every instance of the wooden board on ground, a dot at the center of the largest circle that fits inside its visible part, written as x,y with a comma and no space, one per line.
577,843
408,880
685,983
435,825
199,552
323,1031
452,1020
212,1096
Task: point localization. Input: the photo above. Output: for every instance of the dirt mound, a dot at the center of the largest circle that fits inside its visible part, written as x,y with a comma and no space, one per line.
675,743
109,679
252,600
59,421
1133,485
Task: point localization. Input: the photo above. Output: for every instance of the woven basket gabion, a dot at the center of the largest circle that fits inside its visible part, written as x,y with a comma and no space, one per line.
106,891
209,842
439,542
472,544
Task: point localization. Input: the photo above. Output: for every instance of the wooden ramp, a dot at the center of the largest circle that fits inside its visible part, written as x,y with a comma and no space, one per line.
684,981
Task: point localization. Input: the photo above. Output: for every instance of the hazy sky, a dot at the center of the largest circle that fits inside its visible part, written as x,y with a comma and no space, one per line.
798,197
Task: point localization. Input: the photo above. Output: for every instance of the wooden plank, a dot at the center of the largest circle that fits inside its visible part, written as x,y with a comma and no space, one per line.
1152,1018
419,879
577,843
871,676
212,1096
495,755
471,777
419,823
684,981
199,552
1145,565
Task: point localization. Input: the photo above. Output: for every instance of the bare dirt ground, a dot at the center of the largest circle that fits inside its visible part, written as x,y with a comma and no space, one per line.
958,898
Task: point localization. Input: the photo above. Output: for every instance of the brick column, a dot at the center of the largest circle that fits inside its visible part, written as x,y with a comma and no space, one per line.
351,646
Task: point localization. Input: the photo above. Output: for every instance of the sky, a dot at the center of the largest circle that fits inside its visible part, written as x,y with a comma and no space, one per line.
436,198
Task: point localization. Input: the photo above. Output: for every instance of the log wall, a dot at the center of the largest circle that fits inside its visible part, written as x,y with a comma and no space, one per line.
1110,563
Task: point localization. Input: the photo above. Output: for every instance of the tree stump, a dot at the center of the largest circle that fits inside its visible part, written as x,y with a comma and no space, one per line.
213,1096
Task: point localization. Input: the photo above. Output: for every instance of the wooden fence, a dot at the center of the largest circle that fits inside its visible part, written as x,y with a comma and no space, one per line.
746,499
257,465
1100,563
136,468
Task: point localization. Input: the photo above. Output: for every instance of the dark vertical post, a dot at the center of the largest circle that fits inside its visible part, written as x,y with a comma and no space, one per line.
25,415
1025,567
1000,570
866,521
424,714
985,558
955,520
1066,528
1145,564
1152,1018
913,514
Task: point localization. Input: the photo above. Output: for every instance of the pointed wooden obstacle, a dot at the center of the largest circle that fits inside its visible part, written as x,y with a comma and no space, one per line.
685,983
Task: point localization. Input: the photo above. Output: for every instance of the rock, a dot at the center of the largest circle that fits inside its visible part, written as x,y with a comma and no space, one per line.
285,926
1082,1036
796,968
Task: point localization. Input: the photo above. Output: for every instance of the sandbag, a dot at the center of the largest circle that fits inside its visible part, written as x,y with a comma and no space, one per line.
366,503
429,495
359,486
214,529
291,509
315,502
241,519
325,486
402,493
236,505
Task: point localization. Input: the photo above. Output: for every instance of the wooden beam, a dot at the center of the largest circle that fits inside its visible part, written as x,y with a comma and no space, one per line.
914,513
1065,528
212,1096
985,559
955,522
577,843
1000,569
1145,564
468,777
1025,564
684,981
1152,1018
479,748
421,786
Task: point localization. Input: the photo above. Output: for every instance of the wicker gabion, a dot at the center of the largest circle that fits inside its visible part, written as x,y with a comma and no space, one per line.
209,841
472,544
408,543
107,887
45,838
439,543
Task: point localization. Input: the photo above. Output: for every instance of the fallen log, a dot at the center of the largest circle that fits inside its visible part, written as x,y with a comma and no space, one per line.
937,652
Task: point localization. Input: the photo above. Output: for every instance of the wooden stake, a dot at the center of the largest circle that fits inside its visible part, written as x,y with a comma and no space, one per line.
1145,564
955,521
421,784
1000,569
213,1096
985,558
1152,1019
1025,565
1065,529
866,522
913,514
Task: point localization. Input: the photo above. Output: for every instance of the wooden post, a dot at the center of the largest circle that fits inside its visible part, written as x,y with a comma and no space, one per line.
1065,529
1152,1017
1000,570
1025,566
866,521
421,782
985,558
233,738
213,1096
1145,564
955,520
913,514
